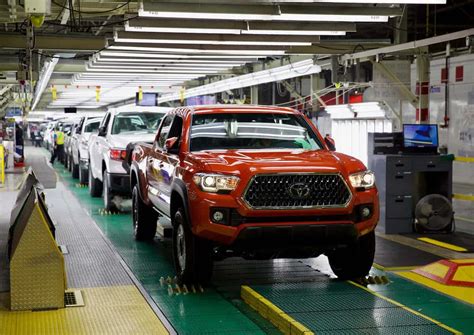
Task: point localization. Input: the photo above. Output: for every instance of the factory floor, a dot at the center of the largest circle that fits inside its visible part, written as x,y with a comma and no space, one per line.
129,286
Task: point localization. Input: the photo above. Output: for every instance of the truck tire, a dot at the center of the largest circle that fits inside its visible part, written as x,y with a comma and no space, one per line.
354,262
83,176
107,194
192,255
144,218
95,186
75,169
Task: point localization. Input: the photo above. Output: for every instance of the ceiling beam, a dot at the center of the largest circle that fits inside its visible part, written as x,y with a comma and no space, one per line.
53,42
394,49
238,25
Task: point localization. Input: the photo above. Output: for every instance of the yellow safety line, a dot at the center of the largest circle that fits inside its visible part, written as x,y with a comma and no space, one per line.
466,197
393,268
442,244
461,293
464,159
408,309
275,315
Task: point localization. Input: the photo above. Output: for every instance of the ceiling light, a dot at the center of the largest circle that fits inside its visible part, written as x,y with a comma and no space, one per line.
203,67
163,61
165,55
236,53
296,32
264,17
211,42
46,73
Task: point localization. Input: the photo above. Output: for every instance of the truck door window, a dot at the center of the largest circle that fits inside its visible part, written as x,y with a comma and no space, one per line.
164,131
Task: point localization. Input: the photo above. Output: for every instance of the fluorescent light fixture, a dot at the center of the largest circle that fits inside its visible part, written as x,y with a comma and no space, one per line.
263,17
294,32
163,71
157,69
165,55
234,31
200,51
163,61
46,73
211,42
302,68
411,2
158,66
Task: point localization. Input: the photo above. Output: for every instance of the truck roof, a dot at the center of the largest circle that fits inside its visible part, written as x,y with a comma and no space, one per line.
232,109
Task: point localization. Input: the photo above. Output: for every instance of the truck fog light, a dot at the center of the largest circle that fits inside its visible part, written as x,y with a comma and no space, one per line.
365,212
218,216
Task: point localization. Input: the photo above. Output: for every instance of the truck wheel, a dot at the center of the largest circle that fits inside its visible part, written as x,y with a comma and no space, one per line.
83,176
192,255
144,218
107,194
75,169
354,262
95,185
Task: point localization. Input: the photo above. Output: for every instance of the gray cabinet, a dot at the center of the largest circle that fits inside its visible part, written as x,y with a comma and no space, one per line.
402,180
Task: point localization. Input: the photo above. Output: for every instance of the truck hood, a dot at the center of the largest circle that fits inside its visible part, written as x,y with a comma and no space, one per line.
122,140
253,162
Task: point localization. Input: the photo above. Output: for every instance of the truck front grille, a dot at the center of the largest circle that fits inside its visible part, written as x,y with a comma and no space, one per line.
297,191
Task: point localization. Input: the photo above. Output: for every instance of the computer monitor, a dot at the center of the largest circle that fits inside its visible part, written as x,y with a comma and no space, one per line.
148,99
420,136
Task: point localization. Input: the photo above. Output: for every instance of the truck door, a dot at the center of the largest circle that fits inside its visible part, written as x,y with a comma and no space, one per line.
154,164
97,147
169,163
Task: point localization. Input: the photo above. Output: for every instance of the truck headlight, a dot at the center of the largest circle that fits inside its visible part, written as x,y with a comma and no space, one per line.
215,182
364,179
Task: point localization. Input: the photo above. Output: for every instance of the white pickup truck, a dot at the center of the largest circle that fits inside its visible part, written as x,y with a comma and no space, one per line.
107,151
80,147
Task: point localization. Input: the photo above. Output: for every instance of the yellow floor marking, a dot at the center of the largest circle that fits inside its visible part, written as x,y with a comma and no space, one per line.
442,244
108,310
437,269
462,261
442,325
285,323
464,159
465,294
466,197
393,268
465,273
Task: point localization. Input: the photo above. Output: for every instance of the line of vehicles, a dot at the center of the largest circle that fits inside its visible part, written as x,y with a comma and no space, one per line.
224,181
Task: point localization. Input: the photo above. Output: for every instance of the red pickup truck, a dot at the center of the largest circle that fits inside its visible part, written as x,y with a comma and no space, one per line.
252,181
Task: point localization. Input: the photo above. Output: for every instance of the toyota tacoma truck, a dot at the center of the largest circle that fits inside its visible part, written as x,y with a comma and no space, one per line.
256,182
107,151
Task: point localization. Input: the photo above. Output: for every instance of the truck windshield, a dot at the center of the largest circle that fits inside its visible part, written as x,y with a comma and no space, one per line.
252,131
136,121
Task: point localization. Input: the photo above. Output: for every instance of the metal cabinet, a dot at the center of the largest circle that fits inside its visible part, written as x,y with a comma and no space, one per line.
404,179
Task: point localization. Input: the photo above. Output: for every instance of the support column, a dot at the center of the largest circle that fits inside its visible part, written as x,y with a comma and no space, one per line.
254,95
423,88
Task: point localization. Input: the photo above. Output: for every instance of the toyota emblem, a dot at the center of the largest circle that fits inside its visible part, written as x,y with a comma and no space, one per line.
299,191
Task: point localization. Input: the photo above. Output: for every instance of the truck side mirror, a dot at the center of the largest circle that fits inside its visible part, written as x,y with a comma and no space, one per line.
102,131
169,145
330,142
